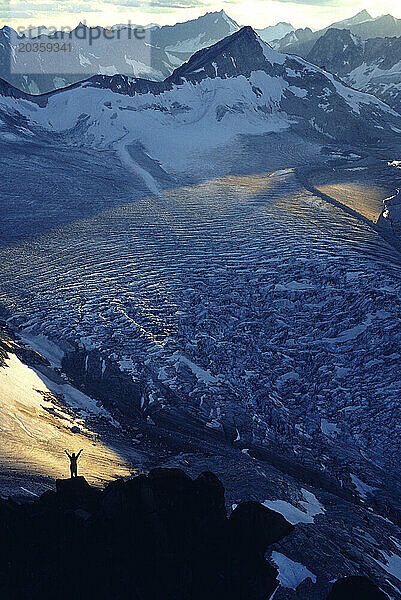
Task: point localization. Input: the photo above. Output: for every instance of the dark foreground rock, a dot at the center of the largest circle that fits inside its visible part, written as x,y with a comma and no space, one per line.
161,535
352,588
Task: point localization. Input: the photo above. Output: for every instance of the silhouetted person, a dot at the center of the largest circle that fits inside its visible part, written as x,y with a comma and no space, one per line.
73,462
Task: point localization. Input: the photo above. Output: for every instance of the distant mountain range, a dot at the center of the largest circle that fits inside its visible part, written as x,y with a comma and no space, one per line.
358,49
239,85
275,32
301,41
364,51
91,51
372,66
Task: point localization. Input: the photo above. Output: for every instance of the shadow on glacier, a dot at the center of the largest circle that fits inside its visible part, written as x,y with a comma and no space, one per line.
47,187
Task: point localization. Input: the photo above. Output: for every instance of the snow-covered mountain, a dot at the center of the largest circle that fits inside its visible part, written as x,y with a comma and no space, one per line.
237,86
190,36
152,51
372,65
295,42
301,41
275,32
362,17
76,55
383,26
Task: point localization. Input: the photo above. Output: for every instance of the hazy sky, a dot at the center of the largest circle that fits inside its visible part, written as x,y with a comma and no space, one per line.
258,13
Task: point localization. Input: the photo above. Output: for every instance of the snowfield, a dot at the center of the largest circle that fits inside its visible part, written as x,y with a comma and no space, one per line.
310,508
291,573
41,418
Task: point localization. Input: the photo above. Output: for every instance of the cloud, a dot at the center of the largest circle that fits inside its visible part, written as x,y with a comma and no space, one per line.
155,5
33,9
18,9
320,3
183,4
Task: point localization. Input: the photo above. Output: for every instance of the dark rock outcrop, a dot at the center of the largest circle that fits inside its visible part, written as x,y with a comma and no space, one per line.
253,525
76,493
103,380
352,588
161,535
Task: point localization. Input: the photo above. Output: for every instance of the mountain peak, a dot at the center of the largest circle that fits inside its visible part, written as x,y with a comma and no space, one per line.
218,13
275,32
81,26
362,17
240,53
198,33
336,50
363,14
7,30
386,17
227,18
246,30
336,34
245,33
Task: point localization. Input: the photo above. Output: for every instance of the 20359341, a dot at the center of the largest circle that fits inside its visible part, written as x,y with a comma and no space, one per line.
44,47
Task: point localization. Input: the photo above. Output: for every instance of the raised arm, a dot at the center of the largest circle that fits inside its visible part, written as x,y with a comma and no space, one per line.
68,454
79,452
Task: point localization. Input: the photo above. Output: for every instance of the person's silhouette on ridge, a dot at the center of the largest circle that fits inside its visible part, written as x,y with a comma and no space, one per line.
73,462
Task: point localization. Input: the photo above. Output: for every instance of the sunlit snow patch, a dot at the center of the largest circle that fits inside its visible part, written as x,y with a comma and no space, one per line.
36,427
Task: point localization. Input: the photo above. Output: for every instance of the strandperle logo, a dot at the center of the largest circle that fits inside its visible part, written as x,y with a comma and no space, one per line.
128,31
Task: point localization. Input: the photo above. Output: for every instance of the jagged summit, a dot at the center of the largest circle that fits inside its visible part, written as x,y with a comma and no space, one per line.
368,65
7,29
275,32
223,13
198,33
363,14
335,49
360,17
239,53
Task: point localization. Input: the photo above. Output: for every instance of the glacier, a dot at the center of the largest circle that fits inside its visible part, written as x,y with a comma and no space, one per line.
160,247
